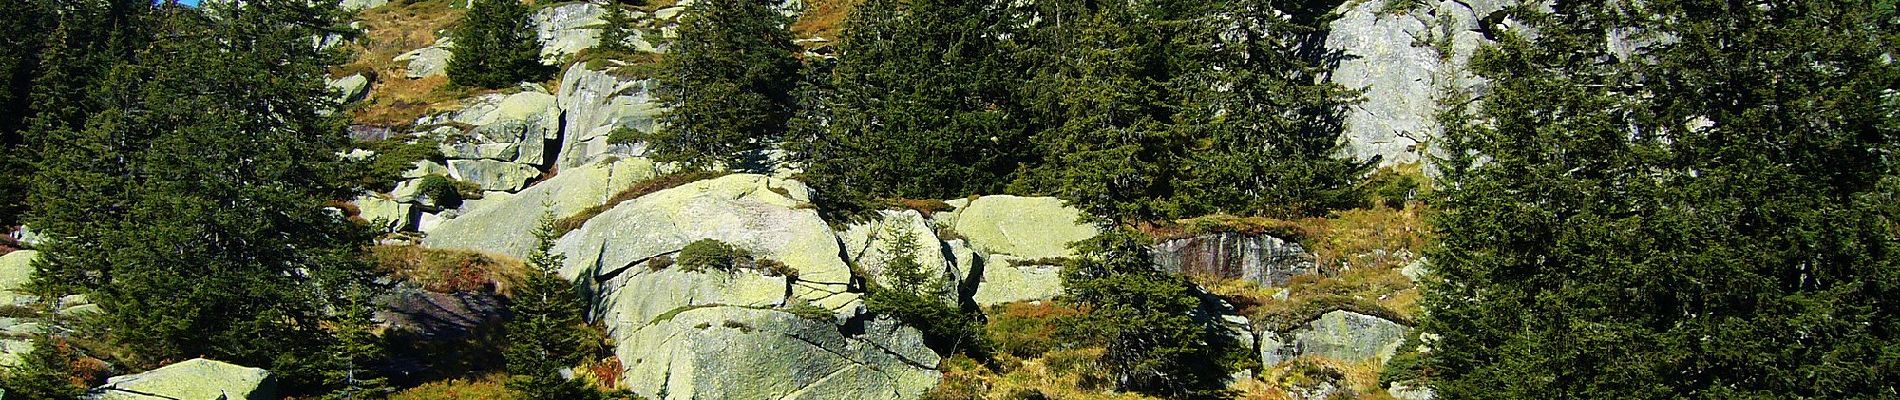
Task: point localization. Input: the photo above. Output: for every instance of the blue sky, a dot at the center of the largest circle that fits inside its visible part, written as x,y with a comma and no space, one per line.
193,3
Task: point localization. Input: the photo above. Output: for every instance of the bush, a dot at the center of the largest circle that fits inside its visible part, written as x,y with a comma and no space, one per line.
448,270
1027,330
392,159
710,254
488,388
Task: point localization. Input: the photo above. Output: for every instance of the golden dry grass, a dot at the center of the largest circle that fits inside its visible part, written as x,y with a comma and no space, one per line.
823,18
450,270
389,31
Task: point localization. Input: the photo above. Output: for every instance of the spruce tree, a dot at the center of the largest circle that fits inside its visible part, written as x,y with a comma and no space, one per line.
618,33
1266,129
23,33
1143,318
1674,199
496,46
923,106
543,337
727,84
198,224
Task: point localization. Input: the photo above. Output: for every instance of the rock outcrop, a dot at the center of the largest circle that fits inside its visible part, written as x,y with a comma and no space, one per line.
1017,244
428,61
1261,259
16,269
1339,335
1406,61
567,29
196,378
727,352
506,224
872,244
597,103
752,332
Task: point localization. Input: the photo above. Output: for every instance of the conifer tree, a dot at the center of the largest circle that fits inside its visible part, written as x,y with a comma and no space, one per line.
496,46
543,337
1267,130
1143,317
619,33
23,33
1674,199
1106,92
727,83
923,106
198,224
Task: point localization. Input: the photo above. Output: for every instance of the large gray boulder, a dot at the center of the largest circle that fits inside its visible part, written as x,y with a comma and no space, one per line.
1261,259
1396,59
428,61
727,352
1008,279
567,29
772,218
512,128
1339,335
358,5
597,103
385,214
196,378
16,269
507,226
1026,227
493,175
349,88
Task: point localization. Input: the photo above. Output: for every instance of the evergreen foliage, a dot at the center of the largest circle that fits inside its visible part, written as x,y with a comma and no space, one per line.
496,46
23,34
727,84
922,104
618,33
917,297
545,334
188,196
1143,317
1708,215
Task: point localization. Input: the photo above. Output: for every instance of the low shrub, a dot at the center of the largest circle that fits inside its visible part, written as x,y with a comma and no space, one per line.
490,388
1027,330
450,270
710,254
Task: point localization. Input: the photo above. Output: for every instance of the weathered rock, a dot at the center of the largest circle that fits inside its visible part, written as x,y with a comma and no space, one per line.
596,104
772,218
1262,259
1416,271
744,353
507,226
1396,59
16,269
385,214
428,61
196,378
1339,335
1403,391
357,5
425,168
1007,279
514,128
493,175
1026,227
350,88
567,29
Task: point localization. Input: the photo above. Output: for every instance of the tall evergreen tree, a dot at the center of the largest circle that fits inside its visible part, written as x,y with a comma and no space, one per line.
1143,318
923,106
544,335
1674,199
619,32
1266,129
727,83
1109,83
24,26
198,220
496,46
